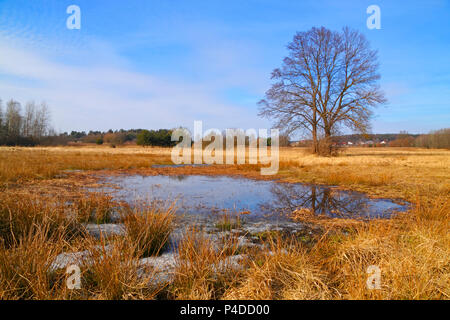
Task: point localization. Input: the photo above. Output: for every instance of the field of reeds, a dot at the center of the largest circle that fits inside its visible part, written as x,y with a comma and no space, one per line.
44,211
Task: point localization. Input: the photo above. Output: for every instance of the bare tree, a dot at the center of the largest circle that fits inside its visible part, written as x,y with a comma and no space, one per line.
29,119
328,80
41,123
13,119
292,99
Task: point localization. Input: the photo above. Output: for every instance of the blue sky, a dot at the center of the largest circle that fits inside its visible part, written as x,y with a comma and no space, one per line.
153,64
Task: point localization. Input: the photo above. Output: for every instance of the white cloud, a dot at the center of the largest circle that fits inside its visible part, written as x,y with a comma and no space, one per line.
97,95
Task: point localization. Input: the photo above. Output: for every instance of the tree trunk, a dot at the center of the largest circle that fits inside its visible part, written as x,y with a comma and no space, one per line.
314,132
328,142
313,199
315,142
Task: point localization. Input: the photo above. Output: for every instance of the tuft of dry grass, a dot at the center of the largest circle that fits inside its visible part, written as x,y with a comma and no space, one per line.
25,269
283,271
202,269
94,207
115,273
228,222
109,271
21,215
149,228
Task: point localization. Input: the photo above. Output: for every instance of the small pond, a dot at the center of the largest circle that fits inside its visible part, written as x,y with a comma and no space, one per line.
261,200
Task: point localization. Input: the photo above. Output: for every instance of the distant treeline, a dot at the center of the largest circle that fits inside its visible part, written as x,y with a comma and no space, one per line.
30,125
376,138
161,137
439,139
143,137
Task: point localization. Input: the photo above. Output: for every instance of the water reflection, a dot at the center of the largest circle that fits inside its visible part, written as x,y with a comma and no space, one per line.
199,195
327,201
178,177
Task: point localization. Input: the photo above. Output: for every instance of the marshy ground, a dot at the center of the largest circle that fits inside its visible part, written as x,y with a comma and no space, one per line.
53,205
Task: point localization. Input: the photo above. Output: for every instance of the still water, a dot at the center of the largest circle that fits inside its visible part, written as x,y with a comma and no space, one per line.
200,195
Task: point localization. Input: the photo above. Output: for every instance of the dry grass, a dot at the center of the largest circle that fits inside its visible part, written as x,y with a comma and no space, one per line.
390,172
94,207
285,271
228,222
21,215
114,273
24,268
149,228
385,172
202,271
18,164
412,250
35,231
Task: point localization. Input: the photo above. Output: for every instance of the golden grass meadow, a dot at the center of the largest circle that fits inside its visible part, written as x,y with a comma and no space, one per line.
44,207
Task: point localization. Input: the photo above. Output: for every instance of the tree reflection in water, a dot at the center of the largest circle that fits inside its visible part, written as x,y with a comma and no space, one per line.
324,201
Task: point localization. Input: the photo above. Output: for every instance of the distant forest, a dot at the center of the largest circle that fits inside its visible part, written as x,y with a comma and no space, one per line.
30,126
143,137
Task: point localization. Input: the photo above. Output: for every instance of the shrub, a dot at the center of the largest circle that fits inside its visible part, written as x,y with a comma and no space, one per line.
327,147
